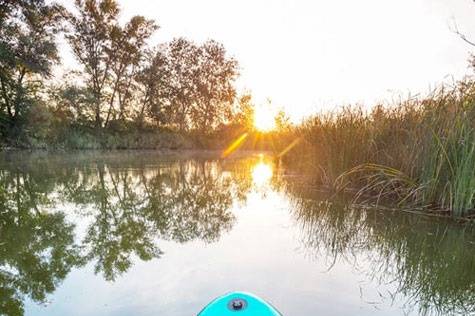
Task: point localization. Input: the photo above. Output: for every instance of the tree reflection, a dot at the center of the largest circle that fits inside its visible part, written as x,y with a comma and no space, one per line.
128,210
431,262
132,209
37,248
190,201
119,229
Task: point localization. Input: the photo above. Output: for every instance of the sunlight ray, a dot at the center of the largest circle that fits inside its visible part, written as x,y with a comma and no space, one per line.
235,145
289,147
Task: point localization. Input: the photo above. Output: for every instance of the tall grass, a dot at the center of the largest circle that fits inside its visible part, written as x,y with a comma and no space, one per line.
416,153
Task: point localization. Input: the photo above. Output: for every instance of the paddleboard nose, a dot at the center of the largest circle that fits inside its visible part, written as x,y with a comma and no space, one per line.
239,304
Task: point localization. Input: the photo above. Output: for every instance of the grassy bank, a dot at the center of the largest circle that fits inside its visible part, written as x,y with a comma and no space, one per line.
73,138
130,137
419,153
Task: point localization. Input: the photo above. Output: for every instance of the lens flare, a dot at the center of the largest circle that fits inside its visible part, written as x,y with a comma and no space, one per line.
234,146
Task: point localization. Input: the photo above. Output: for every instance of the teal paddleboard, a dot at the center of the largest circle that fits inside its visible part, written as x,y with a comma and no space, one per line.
239,304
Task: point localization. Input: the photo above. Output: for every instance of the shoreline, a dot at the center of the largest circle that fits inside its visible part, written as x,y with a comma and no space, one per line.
79,154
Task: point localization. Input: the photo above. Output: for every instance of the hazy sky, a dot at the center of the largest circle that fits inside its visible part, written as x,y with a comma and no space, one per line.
313,55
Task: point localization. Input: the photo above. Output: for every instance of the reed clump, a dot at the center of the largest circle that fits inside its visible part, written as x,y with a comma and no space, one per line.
417,153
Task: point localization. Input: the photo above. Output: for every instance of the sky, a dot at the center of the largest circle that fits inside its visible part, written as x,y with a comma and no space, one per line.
313,56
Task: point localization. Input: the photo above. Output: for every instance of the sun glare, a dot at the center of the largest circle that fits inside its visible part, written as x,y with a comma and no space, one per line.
264,119
261,173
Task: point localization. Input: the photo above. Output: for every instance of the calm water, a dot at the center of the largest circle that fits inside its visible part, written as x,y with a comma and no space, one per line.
147,234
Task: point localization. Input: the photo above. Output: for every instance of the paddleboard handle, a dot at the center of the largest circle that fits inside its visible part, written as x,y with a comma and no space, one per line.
237,304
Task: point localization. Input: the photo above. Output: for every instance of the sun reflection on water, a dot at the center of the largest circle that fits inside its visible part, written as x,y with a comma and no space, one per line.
262,173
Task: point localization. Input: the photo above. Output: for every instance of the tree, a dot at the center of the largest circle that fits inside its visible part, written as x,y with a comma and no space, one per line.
192,85
71,103
213,80
180,56
109,53
126,55
244,112
282,121
153,90
28,52
90,42
467,40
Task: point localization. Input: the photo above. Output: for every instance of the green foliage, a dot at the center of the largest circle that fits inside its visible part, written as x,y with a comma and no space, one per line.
27,54
179,86
189,86
109,53
419,153
127,211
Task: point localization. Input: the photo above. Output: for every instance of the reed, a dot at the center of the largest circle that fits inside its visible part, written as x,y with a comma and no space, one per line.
419,152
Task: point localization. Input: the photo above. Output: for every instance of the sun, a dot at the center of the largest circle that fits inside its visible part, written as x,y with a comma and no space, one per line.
264,119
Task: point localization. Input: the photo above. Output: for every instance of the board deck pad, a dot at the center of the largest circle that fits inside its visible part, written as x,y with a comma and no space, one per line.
239,304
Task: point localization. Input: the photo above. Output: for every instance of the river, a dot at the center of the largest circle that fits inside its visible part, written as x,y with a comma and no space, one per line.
147,233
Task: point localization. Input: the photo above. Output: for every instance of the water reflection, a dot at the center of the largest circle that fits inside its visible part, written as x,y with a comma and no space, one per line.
430,263
127,210
37,247
58,214
261,173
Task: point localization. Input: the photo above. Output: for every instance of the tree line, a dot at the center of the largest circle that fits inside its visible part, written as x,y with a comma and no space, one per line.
123,82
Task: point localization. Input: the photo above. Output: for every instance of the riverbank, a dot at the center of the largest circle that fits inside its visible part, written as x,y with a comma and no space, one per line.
74,138
227,138
33,157
153,138
419,153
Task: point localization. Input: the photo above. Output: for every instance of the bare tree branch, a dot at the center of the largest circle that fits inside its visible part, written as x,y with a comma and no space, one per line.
455,29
